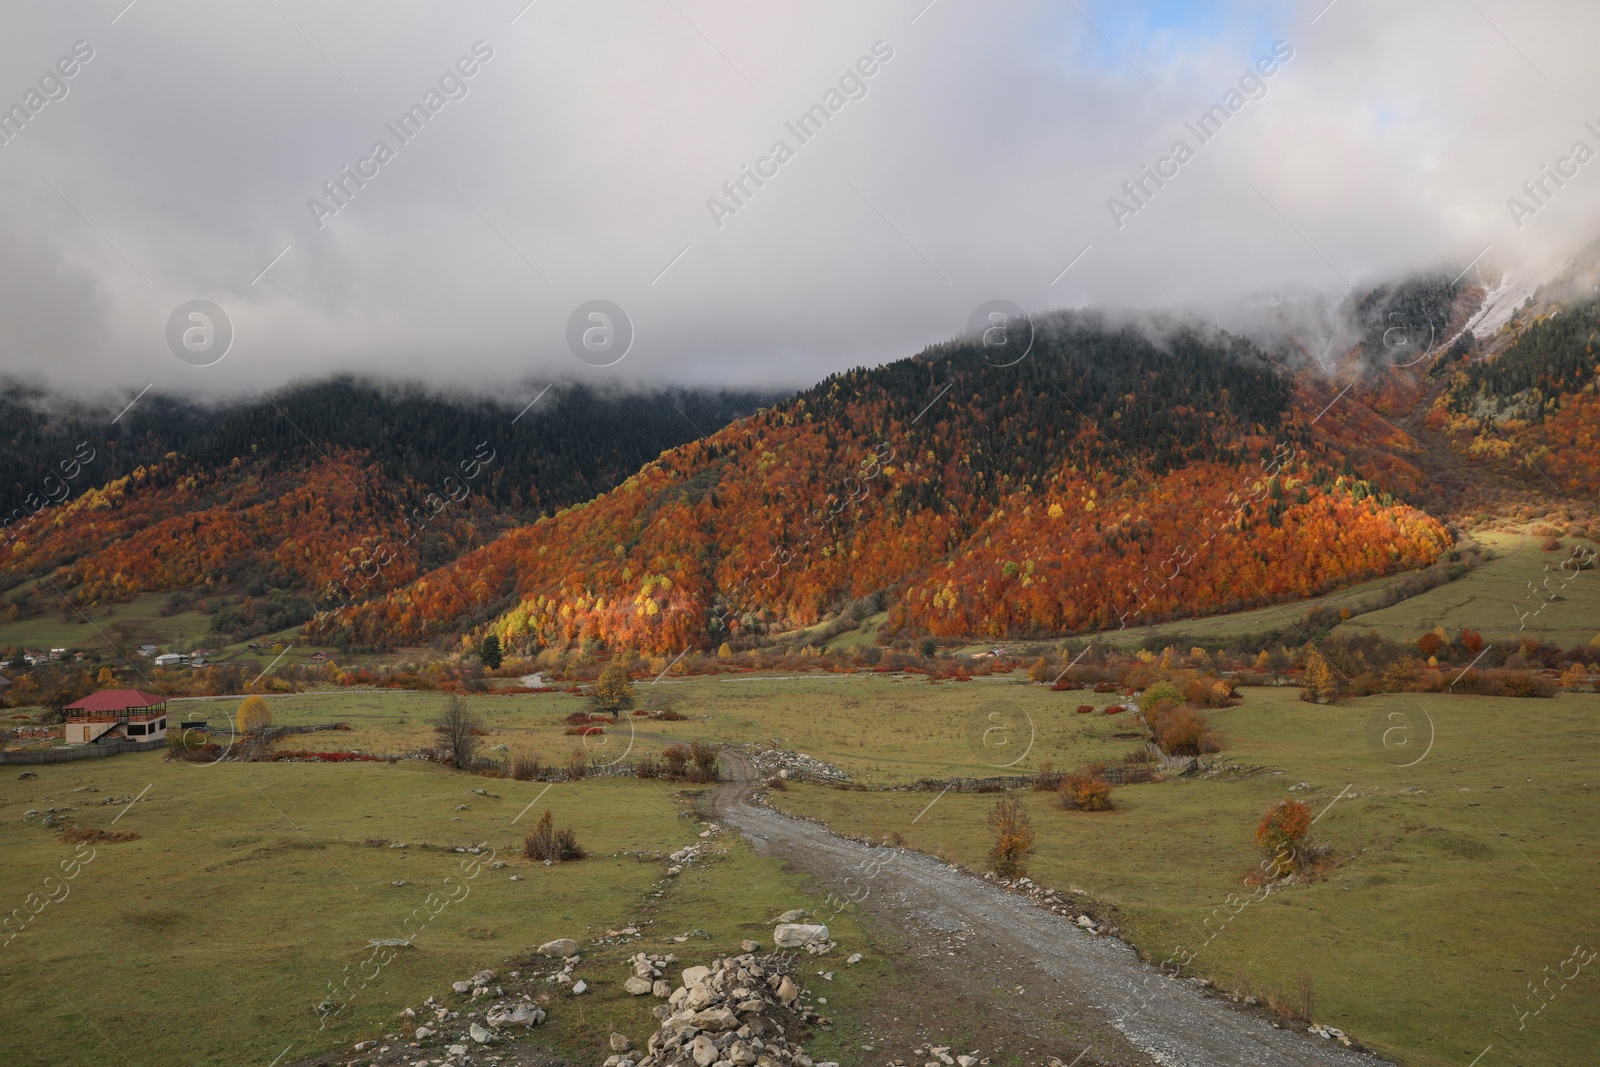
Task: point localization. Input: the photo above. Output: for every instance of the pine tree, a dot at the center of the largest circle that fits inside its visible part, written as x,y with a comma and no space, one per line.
489,652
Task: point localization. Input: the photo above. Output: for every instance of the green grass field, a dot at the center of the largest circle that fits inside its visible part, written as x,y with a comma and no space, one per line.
1460,878
253,886
1496,599
879,729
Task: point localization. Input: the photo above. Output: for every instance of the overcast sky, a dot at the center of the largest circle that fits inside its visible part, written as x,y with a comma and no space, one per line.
577,161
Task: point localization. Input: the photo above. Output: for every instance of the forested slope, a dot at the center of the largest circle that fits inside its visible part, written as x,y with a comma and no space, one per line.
1119,472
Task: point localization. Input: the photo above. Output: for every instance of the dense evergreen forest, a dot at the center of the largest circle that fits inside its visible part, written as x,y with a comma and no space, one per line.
1398,322
571,445
1554,355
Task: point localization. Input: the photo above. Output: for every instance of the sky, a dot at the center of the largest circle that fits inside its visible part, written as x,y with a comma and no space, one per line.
574,151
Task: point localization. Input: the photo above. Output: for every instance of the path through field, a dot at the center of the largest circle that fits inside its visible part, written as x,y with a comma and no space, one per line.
1035,974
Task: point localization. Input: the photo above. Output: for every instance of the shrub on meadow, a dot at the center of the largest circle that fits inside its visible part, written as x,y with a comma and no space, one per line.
547,844
1013,837
1086,792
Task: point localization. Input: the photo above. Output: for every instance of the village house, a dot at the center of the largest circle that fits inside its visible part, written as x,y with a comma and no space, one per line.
172,659
147,650
116,715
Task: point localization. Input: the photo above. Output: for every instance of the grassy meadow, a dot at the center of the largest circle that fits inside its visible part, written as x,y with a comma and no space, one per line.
882,729
1458,880
1459,877
1497,599
251,887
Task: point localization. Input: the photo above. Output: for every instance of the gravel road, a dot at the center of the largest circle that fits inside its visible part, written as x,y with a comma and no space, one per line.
981,936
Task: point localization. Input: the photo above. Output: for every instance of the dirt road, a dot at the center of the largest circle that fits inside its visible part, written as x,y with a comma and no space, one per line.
1035,974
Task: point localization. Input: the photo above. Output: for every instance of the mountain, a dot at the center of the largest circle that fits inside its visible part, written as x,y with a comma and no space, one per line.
253,510
1123,471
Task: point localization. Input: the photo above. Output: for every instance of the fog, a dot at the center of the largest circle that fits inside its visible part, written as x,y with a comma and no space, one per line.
563,152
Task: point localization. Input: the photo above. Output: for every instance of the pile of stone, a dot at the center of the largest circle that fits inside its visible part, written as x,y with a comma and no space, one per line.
458,1035
1051,900
647,978
566,950
931,1055
795,765
737,1012
697,850
1330,1033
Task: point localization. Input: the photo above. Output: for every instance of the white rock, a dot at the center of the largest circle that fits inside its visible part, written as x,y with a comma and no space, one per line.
796,935
580,987
637,986
704,1051
423,1033
855,957
478,1034
515,1015
561,946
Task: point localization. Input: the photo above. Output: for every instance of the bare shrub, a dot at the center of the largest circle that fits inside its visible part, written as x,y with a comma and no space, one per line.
525,768
548,843
1013,837
78,835
1048,779
675,761
706,768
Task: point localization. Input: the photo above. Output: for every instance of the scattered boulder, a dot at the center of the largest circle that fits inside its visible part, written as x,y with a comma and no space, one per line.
479,1034
619,1042
638,987
523,1014
561,946
798,935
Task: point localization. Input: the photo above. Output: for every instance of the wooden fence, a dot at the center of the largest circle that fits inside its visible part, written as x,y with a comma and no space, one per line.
67,755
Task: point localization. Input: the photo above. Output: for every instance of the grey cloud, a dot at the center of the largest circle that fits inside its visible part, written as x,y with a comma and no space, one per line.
579,162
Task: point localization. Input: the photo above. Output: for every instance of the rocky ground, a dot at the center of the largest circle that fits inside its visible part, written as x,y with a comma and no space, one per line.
1019,970
1030,972
782,763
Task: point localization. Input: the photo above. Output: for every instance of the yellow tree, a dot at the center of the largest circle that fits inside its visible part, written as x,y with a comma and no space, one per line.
1013,838
1320,687
254,714
613,690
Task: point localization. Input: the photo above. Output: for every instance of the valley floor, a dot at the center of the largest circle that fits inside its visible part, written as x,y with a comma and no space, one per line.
1463,875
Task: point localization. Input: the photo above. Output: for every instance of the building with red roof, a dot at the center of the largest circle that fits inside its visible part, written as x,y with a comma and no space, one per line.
116,715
